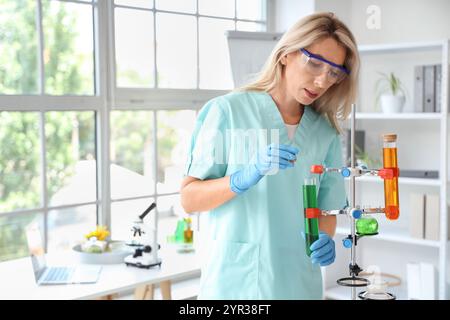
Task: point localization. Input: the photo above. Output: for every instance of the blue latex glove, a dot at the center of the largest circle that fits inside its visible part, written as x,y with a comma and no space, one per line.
271,157
323,250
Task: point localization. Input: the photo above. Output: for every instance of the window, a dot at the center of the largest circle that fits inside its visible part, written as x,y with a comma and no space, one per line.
180,57
176,58
12,236
174,133
48,115
19,42
96,121
132,154
71,157
20,161
214,54
66,227
134,54
147,167
68,48
170,72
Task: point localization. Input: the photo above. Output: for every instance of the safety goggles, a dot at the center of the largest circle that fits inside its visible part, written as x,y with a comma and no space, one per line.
317,65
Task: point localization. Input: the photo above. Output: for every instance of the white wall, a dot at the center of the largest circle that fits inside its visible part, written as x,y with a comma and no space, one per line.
342,9
287,12
400,20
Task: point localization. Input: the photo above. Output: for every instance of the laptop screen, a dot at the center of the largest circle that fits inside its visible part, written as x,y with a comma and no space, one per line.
36,249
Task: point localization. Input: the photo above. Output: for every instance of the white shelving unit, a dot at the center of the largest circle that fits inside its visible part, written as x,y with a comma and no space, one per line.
398,116
401,236
405,181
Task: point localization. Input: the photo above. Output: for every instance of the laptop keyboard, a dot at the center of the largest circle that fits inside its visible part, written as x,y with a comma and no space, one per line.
58,274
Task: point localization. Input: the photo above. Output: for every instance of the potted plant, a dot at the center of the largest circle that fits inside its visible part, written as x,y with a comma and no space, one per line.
390,93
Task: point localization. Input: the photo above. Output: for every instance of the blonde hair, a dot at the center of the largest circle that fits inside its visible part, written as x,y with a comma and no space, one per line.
336,102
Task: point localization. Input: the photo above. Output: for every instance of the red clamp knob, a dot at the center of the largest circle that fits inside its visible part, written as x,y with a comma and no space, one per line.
389,173
317,168
386,173
313,213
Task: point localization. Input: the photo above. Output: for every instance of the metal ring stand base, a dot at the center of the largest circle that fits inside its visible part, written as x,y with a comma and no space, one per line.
387,296
343,282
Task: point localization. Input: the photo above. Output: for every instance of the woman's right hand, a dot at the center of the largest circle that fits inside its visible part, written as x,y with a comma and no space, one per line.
267,161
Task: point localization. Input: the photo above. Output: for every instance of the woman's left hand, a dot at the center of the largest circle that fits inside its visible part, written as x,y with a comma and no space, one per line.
323,250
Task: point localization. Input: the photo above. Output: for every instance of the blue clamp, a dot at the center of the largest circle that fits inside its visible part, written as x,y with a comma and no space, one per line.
356,213
345,172
347,242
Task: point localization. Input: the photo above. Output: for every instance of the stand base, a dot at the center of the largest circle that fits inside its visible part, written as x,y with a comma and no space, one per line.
353,282
365,295
145,266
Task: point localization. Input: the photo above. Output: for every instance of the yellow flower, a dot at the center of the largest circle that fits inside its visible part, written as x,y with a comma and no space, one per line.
101,233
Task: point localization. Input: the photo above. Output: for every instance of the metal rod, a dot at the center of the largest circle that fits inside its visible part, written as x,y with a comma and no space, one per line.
352,193
333,212
373,210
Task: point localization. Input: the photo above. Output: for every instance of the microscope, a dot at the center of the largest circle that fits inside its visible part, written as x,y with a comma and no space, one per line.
145,248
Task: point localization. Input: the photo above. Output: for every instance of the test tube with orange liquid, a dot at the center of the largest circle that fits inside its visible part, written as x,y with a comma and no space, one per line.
392,209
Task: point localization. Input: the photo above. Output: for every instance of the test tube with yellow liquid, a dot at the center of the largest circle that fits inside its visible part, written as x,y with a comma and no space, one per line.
392,209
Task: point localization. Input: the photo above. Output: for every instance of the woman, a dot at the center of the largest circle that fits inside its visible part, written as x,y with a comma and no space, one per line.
255,199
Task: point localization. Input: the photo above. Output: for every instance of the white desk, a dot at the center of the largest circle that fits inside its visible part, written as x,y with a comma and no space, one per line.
17,278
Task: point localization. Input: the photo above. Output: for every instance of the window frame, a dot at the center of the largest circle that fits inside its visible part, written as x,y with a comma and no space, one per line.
161,97
42,103
107,98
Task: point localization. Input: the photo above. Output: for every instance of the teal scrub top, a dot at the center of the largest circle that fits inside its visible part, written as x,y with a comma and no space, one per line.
256,247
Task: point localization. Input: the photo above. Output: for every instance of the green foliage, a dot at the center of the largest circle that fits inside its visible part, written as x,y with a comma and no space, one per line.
19,47
19,160
63,63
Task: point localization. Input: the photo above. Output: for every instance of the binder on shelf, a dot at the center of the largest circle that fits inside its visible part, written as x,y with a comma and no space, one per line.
429,87
437,90
417,217
425,174
418,88
432,213
413,280
421,281
427,281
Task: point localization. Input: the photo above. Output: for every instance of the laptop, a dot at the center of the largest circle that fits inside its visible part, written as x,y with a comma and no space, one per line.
46,275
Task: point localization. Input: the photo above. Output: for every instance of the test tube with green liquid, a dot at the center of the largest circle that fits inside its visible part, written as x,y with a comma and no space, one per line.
311,223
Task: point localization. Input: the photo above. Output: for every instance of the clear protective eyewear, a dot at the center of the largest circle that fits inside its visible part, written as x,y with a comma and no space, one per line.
316,65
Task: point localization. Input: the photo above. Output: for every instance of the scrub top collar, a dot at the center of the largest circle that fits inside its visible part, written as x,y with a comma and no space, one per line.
303,129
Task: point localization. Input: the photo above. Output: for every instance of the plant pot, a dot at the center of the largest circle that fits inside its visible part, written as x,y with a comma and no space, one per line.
392,104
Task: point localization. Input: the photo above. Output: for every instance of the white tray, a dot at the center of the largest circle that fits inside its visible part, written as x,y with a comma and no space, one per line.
116,255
